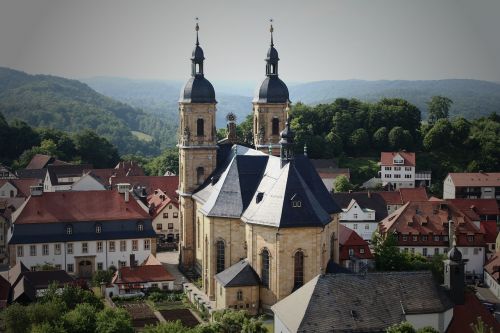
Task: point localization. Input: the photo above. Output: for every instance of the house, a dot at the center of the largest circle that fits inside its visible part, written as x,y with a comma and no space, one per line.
428,228
238,288
148,184
41,161
368,302
165,213
397,169
17,188
129,168
354,252
472,185
6,173
25,286
88,182
485,212
395,199
361,211
80,232
61,177
492,274
135,279
328,171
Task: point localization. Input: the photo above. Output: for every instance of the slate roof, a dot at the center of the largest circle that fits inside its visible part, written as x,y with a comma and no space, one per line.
252,185
475,178
240,274
22,185
386,158
32,173
370,200
42,279
63,171
360,302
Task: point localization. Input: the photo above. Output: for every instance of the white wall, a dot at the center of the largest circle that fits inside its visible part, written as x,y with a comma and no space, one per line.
355,213
438,321
279,327
360,228
87,183
492,284
448,188
6,189
105,257
169,209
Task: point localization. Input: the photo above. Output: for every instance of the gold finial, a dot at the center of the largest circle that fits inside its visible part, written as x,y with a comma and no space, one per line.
197,26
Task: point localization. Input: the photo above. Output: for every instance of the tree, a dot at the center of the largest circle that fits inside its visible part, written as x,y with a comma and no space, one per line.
47,328
47,312
96,150
400,138
333,145
387,255
358,141
167,161
114,321
168,327
342,184
16,319
404,327
439,107
102,276
82,319
380,138
438,137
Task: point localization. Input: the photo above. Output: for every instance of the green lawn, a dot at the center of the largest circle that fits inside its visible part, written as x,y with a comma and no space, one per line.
142,136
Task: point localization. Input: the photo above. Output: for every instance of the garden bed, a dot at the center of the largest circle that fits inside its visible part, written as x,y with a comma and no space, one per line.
184,315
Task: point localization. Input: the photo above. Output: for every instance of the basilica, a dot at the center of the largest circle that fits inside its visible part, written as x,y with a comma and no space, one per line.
256,222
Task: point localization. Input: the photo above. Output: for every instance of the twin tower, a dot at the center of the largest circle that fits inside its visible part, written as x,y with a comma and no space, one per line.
197,132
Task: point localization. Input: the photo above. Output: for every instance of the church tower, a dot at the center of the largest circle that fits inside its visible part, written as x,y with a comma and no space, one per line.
197,146
270,106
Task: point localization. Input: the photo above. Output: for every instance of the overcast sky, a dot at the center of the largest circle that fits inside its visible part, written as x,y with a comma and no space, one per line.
316,40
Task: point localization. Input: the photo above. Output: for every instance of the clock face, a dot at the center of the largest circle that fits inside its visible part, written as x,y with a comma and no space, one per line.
231,117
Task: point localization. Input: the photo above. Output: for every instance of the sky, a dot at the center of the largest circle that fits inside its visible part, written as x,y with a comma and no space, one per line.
316,39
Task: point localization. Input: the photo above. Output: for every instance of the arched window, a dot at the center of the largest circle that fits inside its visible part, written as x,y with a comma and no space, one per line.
239,295
298,270
200,175
264,271
332,247
220,256
200,127
276,126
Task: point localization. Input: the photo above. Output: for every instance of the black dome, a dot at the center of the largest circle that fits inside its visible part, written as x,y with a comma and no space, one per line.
197,53
455,254
272,90
272,54
198,90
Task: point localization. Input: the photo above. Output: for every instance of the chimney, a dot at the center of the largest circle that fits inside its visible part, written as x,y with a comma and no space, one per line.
124,188
127,194
36,190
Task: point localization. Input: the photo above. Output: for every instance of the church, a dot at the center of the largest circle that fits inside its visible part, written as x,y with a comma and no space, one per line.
256,222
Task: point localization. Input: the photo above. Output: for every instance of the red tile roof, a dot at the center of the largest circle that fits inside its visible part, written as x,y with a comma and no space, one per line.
490,231
475,207
79,206
404,195
22,185
130,168
475,178
386,158
142,274
348,238
167,184
160,200
391,198
466,314
40,161
431,218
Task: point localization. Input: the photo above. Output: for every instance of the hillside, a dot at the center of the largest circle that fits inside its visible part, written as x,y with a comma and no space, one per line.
69,105
471,98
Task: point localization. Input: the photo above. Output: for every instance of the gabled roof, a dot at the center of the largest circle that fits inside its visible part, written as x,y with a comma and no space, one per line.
240,274
42,279
360,302
32,173
475,178
403,195
130,168
475,207
67,170
22,185
387,158
369,200
78,206
490,231
167,184
142,274
39,161
466,314
158,201
350,239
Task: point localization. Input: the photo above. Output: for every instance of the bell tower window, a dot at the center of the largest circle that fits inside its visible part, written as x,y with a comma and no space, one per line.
276,126
264,272
200,124
200,175
221,256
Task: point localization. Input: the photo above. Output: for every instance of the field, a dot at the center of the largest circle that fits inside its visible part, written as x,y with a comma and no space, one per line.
142,136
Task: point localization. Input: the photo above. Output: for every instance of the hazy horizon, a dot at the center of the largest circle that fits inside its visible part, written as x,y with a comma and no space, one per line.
322,40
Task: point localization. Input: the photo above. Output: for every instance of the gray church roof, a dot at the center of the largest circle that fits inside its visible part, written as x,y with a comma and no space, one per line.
198,90
254,186
238,275
360,302
272,90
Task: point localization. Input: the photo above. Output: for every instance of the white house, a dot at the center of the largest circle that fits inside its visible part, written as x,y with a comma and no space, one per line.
80,232
165,212
472,185
87,183
359,219
61,177
397,169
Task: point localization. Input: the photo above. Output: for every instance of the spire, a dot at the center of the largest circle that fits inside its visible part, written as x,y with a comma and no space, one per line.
197,56
271,29
197,28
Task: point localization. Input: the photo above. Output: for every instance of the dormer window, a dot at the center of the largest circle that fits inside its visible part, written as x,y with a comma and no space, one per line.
259,197
296,203
98,228
69,230
398,160
140,227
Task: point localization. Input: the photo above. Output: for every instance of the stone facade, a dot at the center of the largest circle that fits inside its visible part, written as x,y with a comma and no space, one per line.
264,116
238,298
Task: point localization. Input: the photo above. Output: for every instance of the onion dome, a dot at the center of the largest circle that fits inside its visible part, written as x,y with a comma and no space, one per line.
197,89
272,89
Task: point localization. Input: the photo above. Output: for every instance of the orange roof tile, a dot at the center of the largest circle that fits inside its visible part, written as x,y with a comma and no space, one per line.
466,314
475,178
386,158
413,194
348,238
79,206
23,185
141,274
